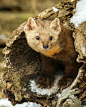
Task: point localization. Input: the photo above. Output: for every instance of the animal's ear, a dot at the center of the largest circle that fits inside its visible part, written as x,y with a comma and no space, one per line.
31,24
55,24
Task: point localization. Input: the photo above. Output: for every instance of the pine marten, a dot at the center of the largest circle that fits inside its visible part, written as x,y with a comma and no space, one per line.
54,42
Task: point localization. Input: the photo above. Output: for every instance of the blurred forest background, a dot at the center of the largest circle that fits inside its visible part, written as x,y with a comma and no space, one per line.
12,14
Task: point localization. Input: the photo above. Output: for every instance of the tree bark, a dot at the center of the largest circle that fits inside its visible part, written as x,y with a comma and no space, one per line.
24,64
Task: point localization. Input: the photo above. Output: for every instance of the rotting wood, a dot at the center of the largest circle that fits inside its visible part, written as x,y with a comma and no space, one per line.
24,64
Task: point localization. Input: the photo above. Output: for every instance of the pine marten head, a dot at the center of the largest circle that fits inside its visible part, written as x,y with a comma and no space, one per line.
42,35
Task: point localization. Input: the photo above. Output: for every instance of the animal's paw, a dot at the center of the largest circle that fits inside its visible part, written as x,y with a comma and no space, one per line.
44,81
64,82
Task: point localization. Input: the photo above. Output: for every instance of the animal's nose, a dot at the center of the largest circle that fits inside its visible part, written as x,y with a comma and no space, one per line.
45,46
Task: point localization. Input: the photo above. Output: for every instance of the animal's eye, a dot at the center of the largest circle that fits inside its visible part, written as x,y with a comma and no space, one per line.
37,38
50,37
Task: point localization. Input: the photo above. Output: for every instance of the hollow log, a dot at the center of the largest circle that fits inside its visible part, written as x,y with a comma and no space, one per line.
23,65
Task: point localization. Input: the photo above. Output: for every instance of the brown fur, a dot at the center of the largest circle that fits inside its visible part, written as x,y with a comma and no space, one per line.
60,48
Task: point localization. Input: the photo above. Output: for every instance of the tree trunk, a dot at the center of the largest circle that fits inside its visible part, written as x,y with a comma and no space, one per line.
24,65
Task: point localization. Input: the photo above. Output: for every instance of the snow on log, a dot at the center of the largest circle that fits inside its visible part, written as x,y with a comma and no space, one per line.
24,64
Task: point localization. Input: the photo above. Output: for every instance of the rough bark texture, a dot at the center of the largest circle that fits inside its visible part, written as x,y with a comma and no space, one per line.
24,64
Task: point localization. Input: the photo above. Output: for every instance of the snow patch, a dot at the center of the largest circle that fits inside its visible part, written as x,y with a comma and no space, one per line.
45,91
55,9
80,15
5,102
